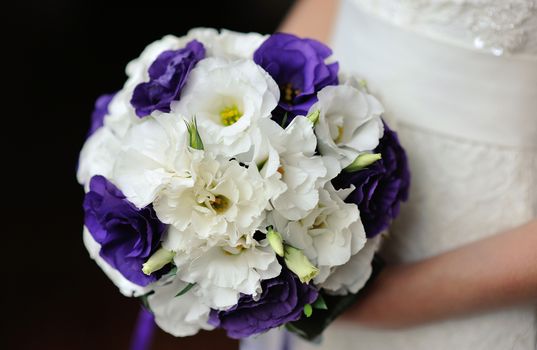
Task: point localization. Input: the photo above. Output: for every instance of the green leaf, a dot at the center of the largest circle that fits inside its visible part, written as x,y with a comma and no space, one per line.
261,164
172,272
292,328
308,310
284,120
320,304
145,301
186,289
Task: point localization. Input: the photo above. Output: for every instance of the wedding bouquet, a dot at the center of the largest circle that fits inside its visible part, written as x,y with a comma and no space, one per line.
239,181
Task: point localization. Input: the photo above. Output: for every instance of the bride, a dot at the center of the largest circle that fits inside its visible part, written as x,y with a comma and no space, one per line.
459,79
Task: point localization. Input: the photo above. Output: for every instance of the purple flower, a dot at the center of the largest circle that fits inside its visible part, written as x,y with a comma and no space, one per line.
298,67
381,187
100,110
282,300
128,236
167,76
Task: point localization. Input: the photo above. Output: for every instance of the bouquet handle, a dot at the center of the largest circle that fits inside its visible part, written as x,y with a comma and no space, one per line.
144,330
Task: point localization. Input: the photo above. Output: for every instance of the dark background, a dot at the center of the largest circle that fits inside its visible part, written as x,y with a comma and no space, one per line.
60,56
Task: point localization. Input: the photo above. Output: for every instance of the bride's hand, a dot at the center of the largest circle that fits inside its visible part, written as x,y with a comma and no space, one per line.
495,272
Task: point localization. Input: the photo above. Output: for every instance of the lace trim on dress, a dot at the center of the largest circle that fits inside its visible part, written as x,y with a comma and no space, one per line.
496,26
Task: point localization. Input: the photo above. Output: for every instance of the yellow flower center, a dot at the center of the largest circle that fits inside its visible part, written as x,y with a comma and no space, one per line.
339,135
220,204
320,222
230,115
289,93
239,248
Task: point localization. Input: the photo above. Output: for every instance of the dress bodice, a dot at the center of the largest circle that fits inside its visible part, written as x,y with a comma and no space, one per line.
442,85
501,27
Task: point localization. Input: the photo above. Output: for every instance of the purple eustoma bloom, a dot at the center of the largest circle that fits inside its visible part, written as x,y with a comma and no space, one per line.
99,111
128,236
381,187
299,68
167,76
282,300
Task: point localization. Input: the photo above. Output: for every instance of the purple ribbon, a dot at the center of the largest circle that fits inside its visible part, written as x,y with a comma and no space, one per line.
144,330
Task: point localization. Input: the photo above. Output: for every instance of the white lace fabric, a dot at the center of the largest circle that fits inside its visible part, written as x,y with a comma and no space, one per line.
461,191
501,27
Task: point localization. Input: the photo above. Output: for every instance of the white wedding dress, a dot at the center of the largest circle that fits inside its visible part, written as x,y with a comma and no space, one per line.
458,79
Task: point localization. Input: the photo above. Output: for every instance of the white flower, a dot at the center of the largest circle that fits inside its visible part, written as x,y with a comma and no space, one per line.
289,156
98,156
101,149
180,316
125,286
224,202
226,44
265,156
183,241
329,235
227,98
352,276
121,116
349,122
154,156
236,45
224,272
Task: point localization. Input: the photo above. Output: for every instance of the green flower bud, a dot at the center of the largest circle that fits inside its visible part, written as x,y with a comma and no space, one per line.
158,260
297,262
308,310
363,161
314,116
275,240
194,136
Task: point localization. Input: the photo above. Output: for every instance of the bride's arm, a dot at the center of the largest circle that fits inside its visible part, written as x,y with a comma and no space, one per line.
491,273
311,18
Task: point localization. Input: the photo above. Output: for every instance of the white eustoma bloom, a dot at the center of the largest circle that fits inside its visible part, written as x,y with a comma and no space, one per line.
288,156
224,272
352,276
349,123
125,286
227,98
121,116
182,315
329,235
225,44
154,156
98,156
234,45
224,202
101,149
